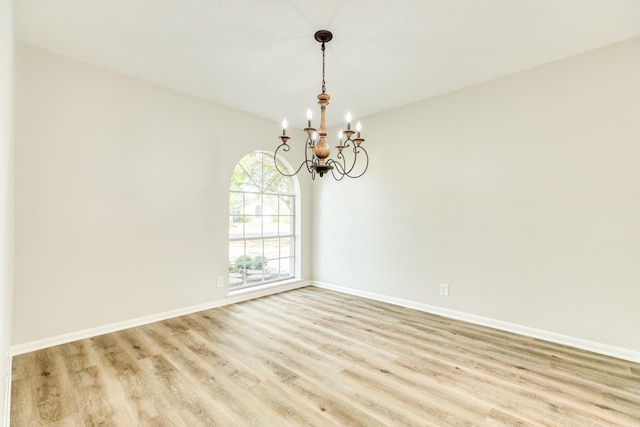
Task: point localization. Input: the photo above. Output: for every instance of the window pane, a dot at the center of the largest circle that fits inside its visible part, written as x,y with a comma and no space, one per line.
286,226
272,270
271,248
270,204
280,184
254,277
286,247
235,280
240,180
236,227
270,226
252,204
236,203
252,226
254,248
286,267
252,164
274,181
286,205
236,249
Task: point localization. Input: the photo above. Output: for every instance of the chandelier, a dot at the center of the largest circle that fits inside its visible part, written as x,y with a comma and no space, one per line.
316,156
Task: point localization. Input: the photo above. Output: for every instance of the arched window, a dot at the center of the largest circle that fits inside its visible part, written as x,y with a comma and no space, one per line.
262,222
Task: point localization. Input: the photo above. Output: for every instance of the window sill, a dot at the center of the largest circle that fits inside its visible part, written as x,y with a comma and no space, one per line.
267,289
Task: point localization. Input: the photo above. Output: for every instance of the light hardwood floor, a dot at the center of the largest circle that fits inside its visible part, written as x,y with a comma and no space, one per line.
320,358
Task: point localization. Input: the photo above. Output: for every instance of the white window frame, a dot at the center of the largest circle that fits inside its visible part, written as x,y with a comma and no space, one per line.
250,277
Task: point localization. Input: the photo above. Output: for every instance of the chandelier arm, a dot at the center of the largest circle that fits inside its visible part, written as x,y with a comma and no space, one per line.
366,165
336,167
342,165
309,163
347,144
285,148
341,155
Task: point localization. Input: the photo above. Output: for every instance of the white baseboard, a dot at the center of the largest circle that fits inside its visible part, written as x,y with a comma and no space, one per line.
596,347
5,411
232,298
247,294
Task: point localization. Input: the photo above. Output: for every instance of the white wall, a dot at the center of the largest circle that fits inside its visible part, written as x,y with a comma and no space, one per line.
522,193
6,202
121,196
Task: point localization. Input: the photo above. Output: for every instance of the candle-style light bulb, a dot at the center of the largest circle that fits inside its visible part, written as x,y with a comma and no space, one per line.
348,120
340,136
309,116
284,127
314,137
358,127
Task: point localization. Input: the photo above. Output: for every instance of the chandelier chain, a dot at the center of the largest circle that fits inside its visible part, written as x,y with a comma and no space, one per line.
324,89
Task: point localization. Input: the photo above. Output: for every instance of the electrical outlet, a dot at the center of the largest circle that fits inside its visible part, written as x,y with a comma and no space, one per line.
220,281
444,289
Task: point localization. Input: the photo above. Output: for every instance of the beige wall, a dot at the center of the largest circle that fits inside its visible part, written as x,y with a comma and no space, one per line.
522,193
6,203
121,196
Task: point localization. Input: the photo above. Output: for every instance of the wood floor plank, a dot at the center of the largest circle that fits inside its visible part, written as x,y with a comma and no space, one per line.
230,391
306,379
320,358
521,362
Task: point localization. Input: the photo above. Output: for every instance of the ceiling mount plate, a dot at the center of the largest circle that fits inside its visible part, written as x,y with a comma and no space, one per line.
323,36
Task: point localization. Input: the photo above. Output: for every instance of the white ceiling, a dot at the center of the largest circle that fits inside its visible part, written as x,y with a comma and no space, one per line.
260,56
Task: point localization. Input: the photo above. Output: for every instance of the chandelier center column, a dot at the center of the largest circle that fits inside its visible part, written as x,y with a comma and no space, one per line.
321,149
